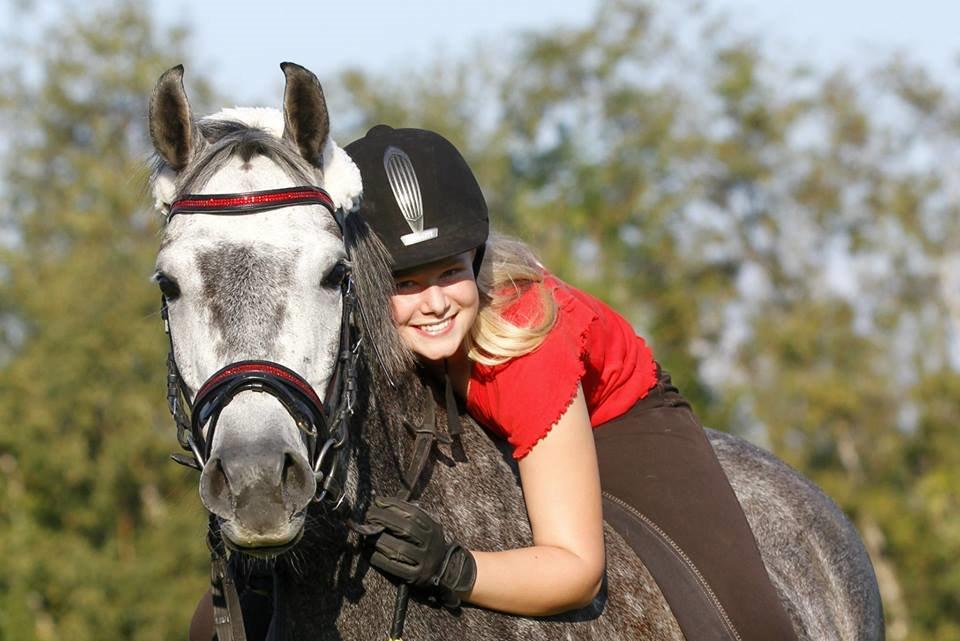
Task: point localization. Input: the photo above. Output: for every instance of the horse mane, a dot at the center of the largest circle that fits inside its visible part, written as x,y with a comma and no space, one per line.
373,280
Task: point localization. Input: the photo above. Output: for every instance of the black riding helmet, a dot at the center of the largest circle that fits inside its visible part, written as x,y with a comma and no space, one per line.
419,196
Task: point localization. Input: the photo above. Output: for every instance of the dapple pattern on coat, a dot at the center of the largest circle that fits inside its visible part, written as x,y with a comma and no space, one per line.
325,588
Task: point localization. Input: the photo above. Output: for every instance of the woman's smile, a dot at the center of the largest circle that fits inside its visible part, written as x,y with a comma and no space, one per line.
437,329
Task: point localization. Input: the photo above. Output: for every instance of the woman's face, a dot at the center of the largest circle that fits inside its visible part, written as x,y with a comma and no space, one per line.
434,306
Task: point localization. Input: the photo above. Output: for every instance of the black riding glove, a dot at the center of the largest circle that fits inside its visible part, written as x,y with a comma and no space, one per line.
413,549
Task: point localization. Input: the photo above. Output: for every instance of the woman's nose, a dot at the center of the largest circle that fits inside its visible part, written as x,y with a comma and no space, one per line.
434,300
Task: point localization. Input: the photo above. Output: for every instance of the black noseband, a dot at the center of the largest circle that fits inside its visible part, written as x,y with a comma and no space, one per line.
288,387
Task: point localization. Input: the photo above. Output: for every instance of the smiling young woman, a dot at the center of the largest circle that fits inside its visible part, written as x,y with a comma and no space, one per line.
566,381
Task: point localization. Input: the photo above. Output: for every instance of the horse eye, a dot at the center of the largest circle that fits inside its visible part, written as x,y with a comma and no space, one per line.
335,276
167,285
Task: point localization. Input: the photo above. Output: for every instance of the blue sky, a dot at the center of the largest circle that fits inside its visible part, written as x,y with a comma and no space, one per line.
242,42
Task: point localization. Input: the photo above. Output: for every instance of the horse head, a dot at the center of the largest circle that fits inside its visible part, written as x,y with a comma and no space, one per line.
254,283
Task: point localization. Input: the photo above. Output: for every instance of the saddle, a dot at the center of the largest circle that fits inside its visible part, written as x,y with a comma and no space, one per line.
699,613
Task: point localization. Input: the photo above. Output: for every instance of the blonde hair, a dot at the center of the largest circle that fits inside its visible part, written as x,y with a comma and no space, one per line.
510,269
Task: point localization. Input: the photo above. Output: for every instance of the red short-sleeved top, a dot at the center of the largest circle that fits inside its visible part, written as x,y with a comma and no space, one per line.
589,343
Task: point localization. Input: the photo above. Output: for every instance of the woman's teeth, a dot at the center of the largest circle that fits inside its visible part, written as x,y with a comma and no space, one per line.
436,328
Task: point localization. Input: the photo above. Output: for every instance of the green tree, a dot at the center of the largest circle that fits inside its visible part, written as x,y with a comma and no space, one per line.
100,537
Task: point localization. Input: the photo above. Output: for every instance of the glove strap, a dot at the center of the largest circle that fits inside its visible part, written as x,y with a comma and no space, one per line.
458,572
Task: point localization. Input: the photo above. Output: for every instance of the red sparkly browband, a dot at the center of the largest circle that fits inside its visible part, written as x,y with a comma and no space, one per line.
251,202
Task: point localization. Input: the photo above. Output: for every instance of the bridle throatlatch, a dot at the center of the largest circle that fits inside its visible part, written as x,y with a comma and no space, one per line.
324,426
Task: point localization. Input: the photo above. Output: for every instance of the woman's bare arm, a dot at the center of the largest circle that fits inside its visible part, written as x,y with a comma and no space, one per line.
564,568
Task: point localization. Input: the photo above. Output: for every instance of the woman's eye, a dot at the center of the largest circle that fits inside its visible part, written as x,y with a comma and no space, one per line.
335,276
168,286
453,272
405,286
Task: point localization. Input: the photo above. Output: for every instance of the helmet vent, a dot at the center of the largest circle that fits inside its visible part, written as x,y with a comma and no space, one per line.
406,190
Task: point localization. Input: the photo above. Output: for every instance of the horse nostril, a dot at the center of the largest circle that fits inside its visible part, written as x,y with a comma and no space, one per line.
215,489
288,463
297,480
219,485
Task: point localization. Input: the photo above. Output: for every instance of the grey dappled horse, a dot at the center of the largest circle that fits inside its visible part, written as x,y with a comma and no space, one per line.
264,286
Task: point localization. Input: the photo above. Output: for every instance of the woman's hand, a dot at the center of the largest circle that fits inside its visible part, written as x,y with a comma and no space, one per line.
412,548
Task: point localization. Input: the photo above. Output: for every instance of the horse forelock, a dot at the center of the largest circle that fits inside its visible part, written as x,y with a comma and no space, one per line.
340,176
227,139
265,118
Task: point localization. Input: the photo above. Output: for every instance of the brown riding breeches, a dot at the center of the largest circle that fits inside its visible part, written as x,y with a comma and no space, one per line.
662,482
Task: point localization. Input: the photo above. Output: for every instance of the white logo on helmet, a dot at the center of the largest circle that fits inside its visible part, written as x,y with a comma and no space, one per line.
406,191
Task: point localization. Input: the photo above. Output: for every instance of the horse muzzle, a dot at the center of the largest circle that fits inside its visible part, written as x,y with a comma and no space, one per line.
257,479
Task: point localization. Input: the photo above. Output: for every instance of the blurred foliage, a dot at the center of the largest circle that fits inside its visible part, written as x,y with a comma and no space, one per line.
101,538
785,237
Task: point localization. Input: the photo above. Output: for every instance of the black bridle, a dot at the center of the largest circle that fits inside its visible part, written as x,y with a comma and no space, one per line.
324,426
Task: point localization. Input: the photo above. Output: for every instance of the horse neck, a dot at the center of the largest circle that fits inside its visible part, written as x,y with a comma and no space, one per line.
383,427
380,446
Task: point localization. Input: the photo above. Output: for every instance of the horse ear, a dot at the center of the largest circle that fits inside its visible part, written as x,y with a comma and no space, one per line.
306,122
172,129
